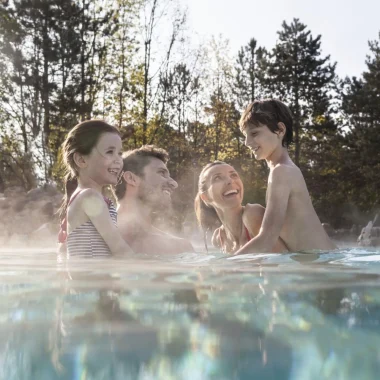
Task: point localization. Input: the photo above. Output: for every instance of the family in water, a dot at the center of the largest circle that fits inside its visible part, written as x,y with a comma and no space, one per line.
91,225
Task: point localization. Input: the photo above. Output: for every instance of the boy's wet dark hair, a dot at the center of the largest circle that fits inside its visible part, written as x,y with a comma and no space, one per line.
268,112
135,161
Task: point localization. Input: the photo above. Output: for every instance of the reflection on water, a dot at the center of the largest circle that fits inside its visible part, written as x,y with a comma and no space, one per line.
297,316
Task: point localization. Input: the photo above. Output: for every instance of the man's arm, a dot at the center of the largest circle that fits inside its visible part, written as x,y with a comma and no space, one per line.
279,187
174,244
186,246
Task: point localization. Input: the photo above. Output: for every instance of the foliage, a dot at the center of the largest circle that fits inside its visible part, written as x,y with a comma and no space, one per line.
131,63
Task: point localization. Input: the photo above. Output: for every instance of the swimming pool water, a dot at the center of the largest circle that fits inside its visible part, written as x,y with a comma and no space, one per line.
193,316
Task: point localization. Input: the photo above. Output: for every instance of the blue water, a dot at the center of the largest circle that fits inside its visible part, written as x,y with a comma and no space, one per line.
195,316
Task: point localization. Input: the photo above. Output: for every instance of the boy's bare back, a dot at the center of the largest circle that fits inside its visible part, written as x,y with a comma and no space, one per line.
290,209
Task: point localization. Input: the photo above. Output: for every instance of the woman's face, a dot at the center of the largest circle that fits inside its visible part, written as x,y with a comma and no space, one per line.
224,187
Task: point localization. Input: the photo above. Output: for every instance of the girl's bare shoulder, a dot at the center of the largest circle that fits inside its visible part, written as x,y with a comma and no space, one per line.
87,194
88,200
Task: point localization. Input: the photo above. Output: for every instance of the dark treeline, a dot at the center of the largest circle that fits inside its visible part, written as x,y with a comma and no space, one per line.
132,63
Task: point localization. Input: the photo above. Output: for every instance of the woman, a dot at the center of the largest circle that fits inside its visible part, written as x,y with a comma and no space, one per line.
218,205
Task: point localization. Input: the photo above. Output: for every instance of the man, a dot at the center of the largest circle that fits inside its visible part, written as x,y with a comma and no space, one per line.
146,187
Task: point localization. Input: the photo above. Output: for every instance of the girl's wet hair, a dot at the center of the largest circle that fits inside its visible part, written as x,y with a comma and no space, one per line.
81,139
268,112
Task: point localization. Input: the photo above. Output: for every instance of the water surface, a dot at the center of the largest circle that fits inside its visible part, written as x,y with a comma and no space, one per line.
193,316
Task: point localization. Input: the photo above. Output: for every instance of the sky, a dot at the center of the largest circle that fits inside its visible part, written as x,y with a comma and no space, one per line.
346,26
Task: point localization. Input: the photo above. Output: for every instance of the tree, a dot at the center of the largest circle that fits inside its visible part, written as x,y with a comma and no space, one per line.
248,78
302,78
119,88
361,105
154,12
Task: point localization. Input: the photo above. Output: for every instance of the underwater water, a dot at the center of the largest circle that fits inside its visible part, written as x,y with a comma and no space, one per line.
192,316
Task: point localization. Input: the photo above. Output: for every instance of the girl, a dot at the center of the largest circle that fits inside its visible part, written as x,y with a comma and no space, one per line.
218,204
92,156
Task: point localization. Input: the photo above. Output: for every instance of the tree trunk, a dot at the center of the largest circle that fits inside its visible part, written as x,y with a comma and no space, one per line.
82,66
45,79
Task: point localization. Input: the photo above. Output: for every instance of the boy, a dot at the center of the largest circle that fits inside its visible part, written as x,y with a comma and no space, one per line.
290,215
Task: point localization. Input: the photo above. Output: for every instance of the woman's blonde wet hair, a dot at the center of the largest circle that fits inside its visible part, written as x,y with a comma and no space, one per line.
206,215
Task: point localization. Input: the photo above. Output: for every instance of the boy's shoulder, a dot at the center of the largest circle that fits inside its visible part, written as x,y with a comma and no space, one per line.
285,179
284,172
286,168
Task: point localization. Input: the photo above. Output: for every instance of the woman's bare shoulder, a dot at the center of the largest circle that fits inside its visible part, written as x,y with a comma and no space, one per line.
253,211
252,217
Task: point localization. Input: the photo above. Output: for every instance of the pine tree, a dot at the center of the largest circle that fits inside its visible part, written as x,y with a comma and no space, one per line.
247,83
361,104
302,78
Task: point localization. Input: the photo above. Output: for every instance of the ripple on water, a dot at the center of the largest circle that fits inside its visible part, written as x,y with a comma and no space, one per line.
194,316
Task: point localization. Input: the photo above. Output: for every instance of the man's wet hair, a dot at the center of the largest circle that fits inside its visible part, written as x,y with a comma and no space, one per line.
268,112
135,161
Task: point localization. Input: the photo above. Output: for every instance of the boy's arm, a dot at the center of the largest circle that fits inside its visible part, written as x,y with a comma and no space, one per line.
253,218
279,186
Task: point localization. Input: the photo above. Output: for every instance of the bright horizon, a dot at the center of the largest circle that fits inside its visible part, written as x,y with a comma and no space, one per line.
345,26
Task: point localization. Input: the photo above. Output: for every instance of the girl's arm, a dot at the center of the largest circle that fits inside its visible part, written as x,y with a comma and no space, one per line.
96,209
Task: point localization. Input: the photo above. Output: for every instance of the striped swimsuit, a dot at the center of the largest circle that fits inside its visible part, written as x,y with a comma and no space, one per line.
85,240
